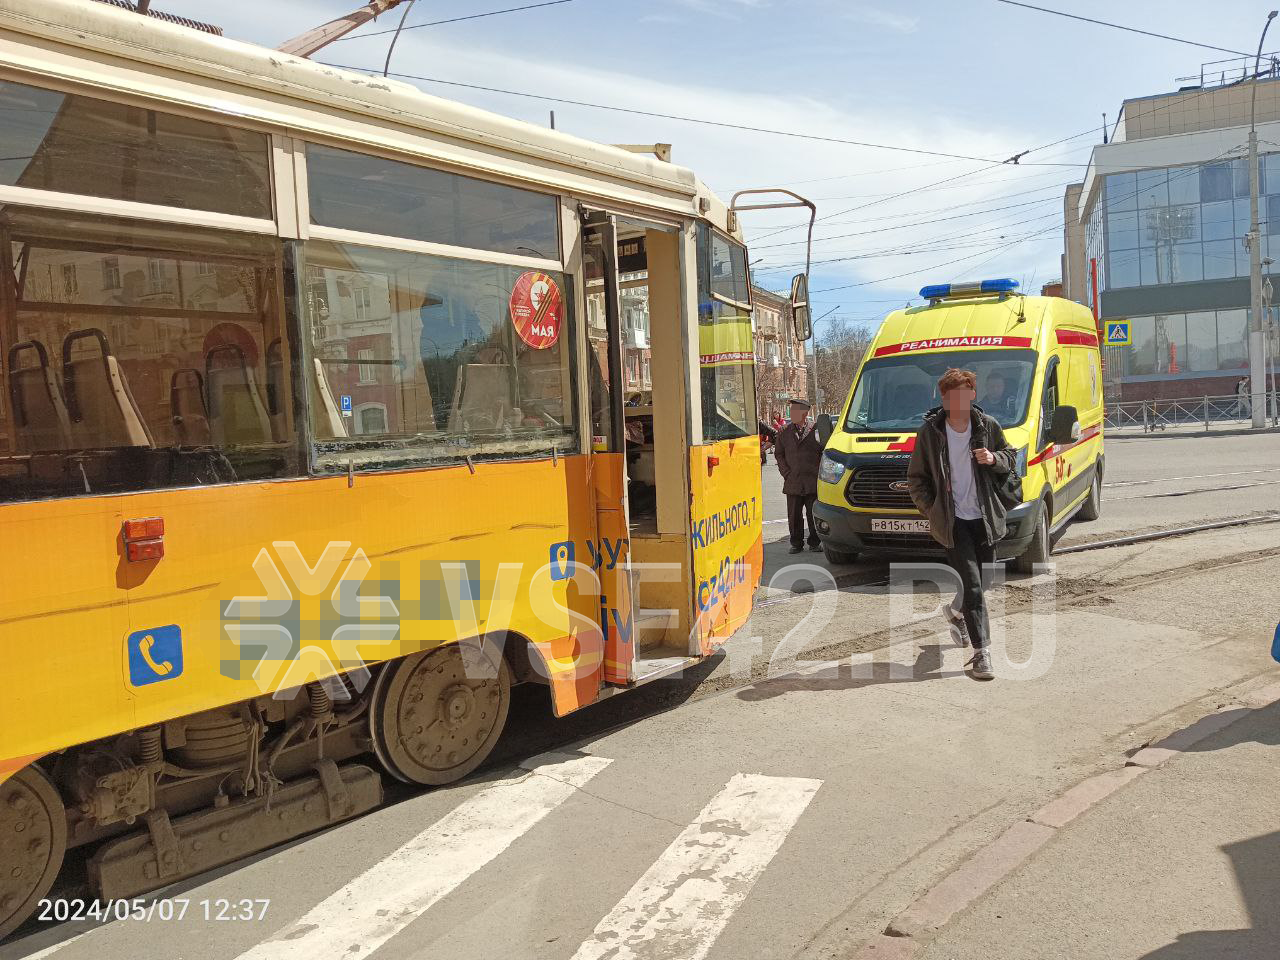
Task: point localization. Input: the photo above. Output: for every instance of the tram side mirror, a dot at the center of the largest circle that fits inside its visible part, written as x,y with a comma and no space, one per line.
1065,426
823,427
800,316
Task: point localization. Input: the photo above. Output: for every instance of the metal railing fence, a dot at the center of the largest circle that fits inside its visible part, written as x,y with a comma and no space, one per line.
1152,415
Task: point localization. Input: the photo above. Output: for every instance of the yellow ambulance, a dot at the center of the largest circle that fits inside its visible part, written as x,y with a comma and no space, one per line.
1039,374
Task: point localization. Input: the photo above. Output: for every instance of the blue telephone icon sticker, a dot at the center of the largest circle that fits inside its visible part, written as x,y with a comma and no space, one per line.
155,655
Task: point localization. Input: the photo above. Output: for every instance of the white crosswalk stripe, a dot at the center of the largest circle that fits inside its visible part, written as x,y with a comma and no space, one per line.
684,901
382,901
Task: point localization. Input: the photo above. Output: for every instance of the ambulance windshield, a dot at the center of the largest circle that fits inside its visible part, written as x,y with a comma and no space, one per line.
894,393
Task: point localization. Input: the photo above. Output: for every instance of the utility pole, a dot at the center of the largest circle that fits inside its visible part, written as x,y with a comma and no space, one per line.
1257,338
1267,293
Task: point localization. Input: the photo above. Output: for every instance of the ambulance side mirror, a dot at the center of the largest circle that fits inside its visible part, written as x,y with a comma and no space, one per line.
1065,426
823,427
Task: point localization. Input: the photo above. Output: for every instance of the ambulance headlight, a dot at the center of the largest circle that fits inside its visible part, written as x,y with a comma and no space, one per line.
831,469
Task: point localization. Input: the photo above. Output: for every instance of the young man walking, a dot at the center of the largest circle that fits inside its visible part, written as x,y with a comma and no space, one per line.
959,457
798,452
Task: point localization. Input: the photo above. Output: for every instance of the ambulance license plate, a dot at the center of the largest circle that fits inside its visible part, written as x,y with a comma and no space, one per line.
899,526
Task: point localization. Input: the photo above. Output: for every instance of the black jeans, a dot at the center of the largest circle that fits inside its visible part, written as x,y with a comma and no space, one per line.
969,553
800,505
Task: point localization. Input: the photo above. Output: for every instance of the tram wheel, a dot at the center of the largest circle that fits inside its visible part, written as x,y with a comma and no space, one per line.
33,840
435,716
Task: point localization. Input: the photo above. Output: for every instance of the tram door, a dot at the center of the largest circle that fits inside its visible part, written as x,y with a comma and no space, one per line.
639,421
611,554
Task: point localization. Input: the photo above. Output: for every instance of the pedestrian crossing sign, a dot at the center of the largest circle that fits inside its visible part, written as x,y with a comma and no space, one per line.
1118,333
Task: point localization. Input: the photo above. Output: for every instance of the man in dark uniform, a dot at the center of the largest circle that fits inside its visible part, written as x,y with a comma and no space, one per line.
798,451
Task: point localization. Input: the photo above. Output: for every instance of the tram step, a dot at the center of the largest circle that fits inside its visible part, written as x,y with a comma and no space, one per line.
169,851
652,627
658,662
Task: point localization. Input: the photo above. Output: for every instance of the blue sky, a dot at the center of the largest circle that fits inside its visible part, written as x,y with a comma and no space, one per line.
972,77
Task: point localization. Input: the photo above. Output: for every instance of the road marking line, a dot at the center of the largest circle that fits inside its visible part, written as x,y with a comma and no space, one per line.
50,951
390,895
684,901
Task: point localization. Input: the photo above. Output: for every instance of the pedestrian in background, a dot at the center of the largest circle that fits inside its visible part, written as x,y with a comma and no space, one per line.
960,454
768,437
798,451
1244,402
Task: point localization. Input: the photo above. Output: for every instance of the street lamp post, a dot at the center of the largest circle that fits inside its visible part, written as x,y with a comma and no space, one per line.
816,400
1257,341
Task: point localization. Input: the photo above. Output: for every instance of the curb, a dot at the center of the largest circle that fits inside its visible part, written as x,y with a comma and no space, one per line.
1166,435
920,921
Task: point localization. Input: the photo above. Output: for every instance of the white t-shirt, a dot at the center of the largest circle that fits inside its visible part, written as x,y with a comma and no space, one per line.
964,481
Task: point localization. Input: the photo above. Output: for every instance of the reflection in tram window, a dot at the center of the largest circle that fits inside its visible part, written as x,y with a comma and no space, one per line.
418,359
139,356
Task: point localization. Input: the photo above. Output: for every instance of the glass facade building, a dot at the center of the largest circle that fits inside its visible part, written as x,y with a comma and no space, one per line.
1184,224
1152,231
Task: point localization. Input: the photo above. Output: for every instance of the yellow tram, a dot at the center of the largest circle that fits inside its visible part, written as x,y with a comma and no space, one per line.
331,410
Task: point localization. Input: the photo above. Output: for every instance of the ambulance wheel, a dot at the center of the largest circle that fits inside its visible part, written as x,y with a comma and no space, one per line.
839,557
435,716
1040,549
1091,509
33,840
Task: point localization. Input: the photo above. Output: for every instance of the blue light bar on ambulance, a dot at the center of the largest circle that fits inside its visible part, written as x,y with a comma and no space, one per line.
952,291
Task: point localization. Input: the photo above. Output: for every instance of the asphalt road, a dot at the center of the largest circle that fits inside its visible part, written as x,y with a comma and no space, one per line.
789,798
1150,484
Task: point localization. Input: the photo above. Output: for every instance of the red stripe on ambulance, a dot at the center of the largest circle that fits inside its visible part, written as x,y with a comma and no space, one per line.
948,343
1077,338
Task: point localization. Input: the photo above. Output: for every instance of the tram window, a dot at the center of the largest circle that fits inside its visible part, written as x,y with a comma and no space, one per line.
164,364
75,144
417,359
725,345
730,279
354,191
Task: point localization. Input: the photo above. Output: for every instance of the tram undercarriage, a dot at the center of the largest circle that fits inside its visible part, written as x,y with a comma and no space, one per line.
167,802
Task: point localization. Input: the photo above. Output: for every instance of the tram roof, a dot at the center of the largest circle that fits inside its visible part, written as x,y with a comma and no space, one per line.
82,42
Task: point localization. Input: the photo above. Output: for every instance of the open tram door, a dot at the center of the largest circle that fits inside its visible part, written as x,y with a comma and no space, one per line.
638,396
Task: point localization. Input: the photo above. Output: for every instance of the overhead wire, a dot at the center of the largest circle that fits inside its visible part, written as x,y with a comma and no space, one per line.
908,226
985,201
927,186
1118,26
1195,170
703,121
934,243
1177,101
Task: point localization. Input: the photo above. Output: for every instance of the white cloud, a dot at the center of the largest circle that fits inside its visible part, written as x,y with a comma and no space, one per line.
878,17
723,8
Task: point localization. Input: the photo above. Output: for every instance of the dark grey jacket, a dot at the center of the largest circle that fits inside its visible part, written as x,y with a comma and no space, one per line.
929,474
798,460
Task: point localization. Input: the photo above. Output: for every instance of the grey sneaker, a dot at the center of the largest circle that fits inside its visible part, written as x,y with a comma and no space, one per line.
959,632
980,665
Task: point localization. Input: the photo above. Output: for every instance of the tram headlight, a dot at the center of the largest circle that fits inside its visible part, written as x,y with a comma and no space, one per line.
831,469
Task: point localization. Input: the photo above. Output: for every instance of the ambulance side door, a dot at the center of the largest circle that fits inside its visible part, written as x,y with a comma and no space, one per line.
1055,466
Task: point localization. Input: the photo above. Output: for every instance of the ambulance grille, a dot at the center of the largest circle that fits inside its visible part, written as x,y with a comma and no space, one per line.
870,487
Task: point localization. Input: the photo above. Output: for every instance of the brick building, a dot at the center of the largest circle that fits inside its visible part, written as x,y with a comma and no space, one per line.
782,369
